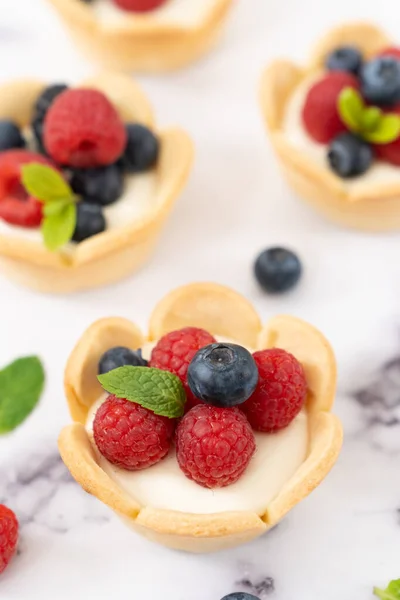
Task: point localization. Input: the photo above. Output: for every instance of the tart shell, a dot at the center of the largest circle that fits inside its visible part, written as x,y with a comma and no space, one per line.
219,310
116,253
371,208
142,45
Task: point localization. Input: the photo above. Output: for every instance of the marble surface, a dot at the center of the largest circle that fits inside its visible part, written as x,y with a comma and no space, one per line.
345,537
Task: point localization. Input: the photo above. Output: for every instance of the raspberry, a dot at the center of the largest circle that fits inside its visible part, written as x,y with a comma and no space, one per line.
139,5
320,114
390,152
83,129
280,393
8,536
392,51
214,445
16,207
130,436
175,351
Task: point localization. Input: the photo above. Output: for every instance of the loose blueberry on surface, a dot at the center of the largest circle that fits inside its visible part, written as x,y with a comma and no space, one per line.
90,221
277,270
102,185
42,105
240,596
380,81
349,156
142,149
10,136
119,357
345,58
223,375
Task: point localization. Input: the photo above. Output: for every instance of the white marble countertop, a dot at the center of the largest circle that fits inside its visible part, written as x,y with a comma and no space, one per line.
345,537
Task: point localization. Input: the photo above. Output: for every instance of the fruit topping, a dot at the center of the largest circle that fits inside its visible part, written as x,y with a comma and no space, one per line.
10,136
83,129
17,207
390,152
214,445
102,185
345,58
130,436
380,81
9,530
89,221
277,270
391,51
120,356
142,149
240,596
349,155
280,393
139,5
174,352
320,111
42,105
223,375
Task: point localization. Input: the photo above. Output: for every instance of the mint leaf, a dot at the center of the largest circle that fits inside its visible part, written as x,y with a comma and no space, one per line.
44,183
55,207
387,130
371,118
161,392
58,228
392,592
21,385
351,107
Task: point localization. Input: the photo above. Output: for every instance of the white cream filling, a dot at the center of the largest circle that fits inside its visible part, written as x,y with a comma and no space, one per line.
380,172
187,13
164,486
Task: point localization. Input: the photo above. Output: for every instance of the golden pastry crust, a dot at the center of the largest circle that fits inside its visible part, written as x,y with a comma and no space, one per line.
116,253
141,43
375,207
211,305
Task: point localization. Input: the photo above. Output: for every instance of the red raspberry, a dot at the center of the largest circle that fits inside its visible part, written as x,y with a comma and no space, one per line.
83,129
280,393
139,5
392,51
16,207
214,445
390,152
8,536
320,114
130,436
174,353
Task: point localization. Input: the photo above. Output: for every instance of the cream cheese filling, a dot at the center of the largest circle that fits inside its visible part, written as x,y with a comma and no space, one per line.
164,486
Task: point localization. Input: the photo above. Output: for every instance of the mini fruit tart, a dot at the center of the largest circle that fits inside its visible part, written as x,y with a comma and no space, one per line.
335,126
203,435
144,35
86,182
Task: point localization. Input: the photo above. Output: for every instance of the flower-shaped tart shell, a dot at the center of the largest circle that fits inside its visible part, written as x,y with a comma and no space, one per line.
141,43
373,207
116,253
227,314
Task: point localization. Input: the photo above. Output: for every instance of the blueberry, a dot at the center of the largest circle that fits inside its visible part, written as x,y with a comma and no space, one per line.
380,81
42,105
119,357
223,375
345,58
142,149
103,185
90,221
10,136
240,596
349,156
277,270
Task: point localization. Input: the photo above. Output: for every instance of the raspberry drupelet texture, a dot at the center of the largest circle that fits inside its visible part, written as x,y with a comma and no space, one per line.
175,351
139,5
8,536
83,129
214,445
129,436
280,393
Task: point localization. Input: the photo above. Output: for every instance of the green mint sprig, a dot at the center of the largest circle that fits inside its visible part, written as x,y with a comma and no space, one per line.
392,592
21,385
161,392
49,187
369,122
